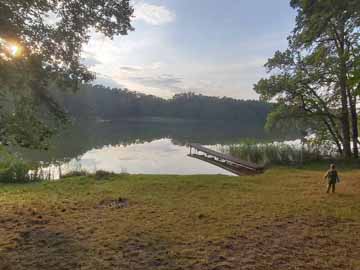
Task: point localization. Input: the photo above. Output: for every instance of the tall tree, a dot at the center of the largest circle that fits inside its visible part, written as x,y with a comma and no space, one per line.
40,44
319,71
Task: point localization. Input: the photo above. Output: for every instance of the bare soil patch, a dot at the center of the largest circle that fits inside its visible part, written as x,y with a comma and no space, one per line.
114,203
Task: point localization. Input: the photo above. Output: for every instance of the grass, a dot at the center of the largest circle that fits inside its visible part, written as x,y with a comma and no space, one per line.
279,220
279,153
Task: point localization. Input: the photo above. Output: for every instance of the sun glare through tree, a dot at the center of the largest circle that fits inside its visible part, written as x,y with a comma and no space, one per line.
9,49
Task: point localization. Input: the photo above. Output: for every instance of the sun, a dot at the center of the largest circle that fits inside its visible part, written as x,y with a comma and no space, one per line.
14,50
10,49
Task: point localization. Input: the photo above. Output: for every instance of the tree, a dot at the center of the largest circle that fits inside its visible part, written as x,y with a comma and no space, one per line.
40,46
318,75
100,102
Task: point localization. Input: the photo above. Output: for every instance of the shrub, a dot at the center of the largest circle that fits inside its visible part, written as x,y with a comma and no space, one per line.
74,174
15,170
101,174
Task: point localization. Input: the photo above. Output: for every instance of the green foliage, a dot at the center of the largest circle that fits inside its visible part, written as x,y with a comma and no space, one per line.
315,81
50,35
277,153
112,104
53,48
14,170
98,175
24,128
75,173
103,175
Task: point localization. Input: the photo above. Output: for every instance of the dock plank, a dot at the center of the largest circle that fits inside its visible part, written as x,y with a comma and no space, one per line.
225,157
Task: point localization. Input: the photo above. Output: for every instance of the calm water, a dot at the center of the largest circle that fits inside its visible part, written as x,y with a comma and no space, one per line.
140,146
157,157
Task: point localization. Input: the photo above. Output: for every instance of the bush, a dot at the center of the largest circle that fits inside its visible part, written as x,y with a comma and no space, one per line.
15,170
101,174
74,174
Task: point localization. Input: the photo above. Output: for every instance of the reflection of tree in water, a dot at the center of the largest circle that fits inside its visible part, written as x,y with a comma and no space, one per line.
78,139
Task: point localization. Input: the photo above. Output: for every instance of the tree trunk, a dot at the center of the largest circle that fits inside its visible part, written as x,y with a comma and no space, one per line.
342,76
334,136
354,124
345,125
344,118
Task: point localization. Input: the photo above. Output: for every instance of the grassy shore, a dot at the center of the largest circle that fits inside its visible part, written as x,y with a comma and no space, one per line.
279,220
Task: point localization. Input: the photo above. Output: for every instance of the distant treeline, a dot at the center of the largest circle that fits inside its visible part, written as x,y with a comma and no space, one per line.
96,101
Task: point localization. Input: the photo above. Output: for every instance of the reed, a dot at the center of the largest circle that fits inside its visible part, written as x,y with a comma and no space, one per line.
276,153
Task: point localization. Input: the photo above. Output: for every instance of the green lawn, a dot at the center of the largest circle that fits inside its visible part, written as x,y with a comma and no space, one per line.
279,220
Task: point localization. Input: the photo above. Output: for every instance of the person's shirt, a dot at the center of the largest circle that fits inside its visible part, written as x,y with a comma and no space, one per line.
332,175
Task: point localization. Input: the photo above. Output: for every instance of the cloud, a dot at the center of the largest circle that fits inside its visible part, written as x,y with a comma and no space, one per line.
107,81
130,69
163,85
153,14
90,61
161,81
153,67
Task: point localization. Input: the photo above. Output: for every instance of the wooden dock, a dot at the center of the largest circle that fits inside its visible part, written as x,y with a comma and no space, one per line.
227,162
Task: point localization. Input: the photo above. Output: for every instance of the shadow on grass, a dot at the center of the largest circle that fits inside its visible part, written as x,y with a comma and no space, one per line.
41,248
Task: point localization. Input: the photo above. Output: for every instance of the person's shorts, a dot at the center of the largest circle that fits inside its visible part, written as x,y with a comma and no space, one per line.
332,182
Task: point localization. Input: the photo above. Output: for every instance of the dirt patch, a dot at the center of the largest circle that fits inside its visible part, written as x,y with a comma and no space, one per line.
114,203
144,252
283,244
293,243
40,248
4,263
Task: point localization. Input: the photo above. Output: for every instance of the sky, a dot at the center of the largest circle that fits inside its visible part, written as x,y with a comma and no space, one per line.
212,47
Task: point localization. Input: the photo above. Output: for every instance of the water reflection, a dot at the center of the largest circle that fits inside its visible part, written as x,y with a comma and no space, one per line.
149,146
156,157
85,136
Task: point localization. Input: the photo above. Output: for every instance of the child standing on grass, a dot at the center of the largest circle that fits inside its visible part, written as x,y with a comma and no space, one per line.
332,177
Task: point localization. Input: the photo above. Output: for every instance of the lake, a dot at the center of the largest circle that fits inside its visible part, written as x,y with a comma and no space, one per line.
141,146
